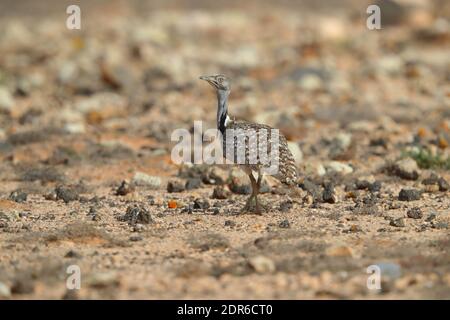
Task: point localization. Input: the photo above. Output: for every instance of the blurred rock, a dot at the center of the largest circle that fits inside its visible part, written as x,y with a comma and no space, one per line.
328,194
390,270
409,195
443,185
105,279
220,193
18,196
391,64
102,106
262,264
75,128
67,194
392,12
124,189
193,183
339,167
175,186
5,291
137,214
201,204
144,180
340,251
296,152
6,100
406,169
399,223
310,82
414,213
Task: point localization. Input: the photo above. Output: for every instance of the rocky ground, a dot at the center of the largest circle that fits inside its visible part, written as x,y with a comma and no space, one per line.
86,176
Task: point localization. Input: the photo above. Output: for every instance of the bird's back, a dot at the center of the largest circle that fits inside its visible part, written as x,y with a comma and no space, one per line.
255,141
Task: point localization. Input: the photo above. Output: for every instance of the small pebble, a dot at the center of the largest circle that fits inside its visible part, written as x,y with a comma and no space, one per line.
409,195
193,183
124,189
284,224
285,206
414,213
18,196
175,186
220,193
399,223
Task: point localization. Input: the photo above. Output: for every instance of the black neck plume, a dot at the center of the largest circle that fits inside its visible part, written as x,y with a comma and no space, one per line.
222,109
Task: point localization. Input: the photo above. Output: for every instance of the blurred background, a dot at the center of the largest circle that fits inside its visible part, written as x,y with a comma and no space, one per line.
301,66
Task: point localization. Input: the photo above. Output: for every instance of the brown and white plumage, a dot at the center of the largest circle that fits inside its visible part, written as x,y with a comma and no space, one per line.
253,136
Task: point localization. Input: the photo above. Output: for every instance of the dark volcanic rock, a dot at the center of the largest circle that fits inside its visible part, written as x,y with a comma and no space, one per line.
124,189
406,169
67,194
409,195
239,188
220,193
137,214
312,189
414,213
175,186
431,180
23,285
328,194
18,196
201,204
285,206
284,224
399,223
374,187
443,185
44,174
193,183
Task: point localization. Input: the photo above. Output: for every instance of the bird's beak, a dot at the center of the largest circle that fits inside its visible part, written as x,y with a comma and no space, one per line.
209,79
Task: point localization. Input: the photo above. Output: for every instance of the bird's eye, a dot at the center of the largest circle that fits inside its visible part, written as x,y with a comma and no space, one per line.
220,80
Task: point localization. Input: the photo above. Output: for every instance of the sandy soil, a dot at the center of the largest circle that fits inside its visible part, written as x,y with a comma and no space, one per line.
367,114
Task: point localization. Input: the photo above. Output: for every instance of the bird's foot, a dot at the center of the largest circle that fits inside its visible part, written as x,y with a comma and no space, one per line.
255,206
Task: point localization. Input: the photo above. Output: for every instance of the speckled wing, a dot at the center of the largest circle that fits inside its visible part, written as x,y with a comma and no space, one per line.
242,141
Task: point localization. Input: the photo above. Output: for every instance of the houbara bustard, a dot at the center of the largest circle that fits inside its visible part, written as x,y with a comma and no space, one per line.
256,137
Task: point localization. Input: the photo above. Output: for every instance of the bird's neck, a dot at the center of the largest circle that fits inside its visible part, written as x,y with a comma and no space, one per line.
222,110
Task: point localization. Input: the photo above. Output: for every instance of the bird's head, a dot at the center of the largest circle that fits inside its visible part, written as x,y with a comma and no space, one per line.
218,81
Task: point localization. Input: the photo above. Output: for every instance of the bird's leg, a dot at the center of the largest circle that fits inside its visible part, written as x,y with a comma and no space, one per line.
258,187
248,204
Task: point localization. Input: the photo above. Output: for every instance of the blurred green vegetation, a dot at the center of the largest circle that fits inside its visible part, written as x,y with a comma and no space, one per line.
426,160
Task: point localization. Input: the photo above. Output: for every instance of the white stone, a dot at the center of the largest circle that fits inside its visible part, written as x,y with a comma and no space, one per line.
262,264
5,291
310,82
296,152
75,128
143,179
335,166
6,99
